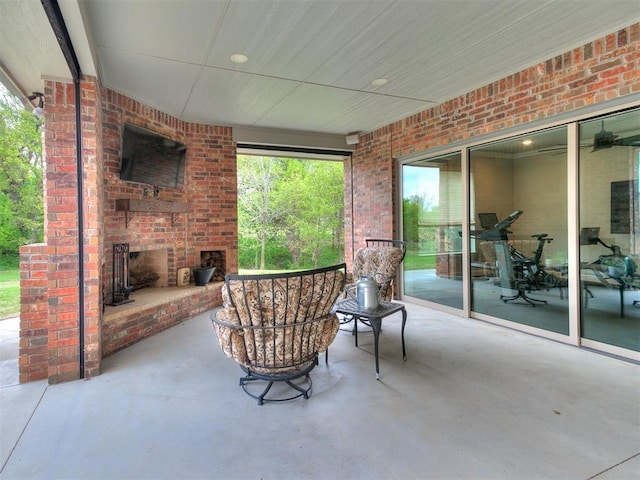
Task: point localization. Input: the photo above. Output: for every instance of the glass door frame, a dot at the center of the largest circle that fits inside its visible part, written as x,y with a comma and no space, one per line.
433,154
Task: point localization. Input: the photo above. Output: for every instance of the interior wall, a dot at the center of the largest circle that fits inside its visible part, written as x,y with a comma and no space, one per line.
540,191
493,185
602,168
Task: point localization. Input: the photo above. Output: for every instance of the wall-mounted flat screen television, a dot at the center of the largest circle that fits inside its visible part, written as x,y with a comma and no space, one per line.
148,157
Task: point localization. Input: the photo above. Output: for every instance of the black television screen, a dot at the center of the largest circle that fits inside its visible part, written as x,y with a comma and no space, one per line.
148,157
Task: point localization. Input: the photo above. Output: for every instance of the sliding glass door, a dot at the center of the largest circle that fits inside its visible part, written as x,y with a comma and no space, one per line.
432,201
518,224
526,197
609,160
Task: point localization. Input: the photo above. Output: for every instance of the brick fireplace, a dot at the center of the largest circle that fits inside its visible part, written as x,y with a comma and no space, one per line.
168,229
165,229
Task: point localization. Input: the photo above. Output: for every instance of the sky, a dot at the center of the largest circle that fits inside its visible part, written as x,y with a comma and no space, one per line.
421,181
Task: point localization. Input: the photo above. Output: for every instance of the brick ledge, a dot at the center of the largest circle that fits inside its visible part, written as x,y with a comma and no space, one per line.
155,297
153,312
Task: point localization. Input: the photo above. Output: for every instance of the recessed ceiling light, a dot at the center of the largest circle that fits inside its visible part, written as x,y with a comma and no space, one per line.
379,81
239,58
527,142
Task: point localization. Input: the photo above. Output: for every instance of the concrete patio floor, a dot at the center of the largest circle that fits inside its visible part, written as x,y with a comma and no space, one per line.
472,401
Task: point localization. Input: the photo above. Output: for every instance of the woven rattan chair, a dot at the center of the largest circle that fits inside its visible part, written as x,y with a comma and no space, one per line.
274,326
380,259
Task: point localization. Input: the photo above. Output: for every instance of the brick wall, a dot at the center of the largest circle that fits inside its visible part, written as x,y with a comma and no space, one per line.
372,189
50,292
604,69
93,233
34,313
210,189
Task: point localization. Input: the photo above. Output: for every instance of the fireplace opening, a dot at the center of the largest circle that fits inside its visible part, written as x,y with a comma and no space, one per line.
141,274
148,268
214,258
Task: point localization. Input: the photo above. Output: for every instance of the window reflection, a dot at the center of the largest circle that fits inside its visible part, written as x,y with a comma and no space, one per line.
518,266
609,230
432,225
518,224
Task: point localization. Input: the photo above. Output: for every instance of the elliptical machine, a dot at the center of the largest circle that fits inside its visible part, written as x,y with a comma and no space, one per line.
518,272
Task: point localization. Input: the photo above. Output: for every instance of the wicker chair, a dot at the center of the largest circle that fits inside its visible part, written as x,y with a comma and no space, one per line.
274,326
381,260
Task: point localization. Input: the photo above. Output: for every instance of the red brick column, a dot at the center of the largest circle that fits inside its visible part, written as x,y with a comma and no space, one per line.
33,354
50,289
93,203
61,207
372,192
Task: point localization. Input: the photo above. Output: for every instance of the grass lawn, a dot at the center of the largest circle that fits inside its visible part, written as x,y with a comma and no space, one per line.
413,261
9,289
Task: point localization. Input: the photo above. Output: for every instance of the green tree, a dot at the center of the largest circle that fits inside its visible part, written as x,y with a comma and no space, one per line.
411,219
21,197
290,205
259,216
314,191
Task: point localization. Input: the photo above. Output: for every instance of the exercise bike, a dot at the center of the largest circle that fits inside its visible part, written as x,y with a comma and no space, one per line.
533,272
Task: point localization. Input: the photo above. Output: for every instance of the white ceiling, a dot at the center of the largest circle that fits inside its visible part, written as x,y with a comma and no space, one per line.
311,62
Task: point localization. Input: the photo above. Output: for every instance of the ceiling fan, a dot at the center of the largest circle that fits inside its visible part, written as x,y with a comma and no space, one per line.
602,139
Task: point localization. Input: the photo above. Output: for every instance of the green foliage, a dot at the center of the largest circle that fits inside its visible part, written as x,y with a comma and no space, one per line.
10,235
21,197
279,258
9,262
290,213
411,219
9,287
248,252
422,229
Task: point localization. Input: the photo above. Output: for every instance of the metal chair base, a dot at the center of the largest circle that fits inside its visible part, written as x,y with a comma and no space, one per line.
521,294
298,380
